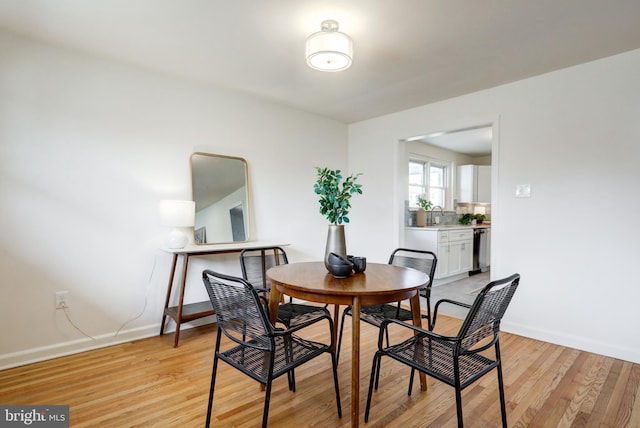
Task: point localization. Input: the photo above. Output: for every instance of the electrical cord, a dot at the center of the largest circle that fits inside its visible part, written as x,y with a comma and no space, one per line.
146,298
66,314
144,308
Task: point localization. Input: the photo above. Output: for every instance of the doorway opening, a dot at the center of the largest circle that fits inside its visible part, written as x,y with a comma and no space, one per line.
475,146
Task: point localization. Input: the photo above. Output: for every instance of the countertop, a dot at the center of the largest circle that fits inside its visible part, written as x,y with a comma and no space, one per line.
450,227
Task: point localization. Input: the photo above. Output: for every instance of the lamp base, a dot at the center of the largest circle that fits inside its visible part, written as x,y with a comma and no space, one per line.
176,239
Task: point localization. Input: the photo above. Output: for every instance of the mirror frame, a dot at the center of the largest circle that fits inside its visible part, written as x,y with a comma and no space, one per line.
246,205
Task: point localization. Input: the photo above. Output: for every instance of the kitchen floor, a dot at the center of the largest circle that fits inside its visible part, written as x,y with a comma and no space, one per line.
464,290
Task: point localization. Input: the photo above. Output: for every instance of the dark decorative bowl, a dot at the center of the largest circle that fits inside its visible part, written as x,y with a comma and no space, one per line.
340,270
339,266
337,259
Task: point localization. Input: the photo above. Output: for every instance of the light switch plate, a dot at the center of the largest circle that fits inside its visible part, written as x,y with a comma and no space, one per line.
523,190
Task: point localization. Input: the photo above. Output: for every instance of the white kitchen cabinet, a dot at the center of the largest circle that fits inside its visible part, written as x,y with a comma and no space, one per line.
453,247
442,269
459,254
460,257
474,183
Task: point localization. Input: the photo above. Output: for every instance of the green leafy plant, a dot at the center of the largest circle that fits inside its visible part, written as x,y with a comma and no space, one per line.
423,203
480,218
335,194
466,218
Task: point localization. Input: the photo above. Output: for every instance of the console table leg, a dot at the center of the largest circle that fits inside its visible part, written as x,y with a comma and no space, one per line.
181,303
169,287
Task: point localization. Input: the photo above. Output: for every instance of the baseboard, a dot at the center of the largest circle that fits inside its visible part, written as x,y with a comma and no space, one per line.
581,343
75,346
71,347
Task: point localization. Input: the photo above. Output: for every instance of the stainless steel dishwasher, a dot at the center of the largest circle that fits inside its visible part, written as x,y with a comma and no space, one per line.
481,252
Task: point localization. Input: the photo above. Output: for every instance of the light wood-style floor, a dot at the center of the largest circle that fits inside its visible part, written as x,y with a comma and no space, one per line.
148,383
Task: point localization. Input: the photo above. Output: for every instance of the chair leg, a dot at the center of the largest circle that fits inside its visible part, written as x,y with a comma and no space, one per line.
375,368
459,406
344,314
211,388
334,363
428,315
413,372
267,399
291,377
503,405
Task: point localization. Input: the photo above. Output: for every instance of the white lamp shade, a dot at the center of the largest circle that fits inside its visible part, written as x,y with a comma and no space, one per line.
177,213
329,50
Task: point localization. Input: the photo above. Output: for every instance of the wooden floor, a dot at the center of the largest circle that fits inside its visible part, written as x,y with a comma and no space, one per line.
148,383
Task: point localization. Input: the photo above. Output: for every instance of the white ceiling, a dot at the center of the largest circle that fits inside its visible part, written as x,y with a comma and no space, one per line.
475,141
407,53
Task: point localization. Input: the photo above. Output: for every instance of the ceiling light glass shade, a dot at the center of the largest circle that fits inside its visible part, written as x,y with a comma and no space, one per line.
329,49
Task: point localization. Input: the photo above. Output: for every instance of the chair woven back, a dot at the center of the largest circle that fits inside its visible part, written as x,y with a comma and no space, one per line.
483,319
256,262
421,260
238,310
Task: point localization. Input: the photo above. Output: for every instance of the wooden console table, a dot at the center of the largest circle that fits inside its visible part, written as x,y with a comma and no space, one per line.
192,311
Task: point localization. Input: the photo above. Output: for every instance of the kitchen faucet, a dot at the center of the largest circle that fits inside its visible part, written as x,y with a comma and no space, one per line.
441,213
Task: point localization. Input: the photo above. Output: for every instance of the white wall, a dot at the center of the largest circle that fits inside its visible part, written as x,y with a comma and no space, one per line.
87,150
573,135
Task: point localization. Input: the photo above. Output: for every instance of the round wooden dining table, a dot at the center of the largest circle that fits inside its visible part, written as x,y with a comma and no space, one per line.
380,283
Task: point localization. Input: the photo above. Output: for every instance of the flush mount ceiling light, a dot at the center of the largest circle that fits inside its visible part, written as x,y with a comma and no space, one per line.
329,49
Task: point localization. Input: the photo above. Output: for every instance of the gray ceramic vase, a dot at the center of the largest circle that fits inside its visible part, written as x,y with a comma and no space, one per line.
335,243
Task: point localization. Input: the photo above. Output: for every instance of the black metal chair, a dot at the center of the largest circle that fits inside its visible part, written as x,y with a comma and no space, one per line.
255,263
425,261
260,350
454,360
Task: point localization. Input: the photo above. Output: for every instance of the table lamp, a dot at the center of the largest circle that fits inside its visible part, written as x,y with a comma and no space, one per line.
177,215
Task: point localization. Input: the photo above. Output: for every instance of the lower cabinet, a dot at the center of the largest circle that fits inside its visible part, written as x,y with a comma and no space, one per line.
459,258
453,247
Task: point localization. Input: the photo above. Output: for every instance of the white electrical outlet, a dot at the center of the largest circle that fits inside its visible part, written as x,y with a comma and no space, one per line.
523,190
62,299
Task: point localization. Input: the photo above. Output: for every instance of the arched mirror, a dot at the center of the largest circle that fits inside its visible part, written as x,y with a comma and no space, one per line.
222,199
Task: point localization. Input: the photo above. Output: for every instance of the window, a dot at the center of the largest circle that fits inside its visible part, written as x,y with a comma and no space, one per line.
429,178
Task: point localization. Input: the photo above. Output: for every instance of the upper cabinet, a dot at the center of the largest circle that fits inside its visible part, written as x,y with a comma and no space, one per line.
474,183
